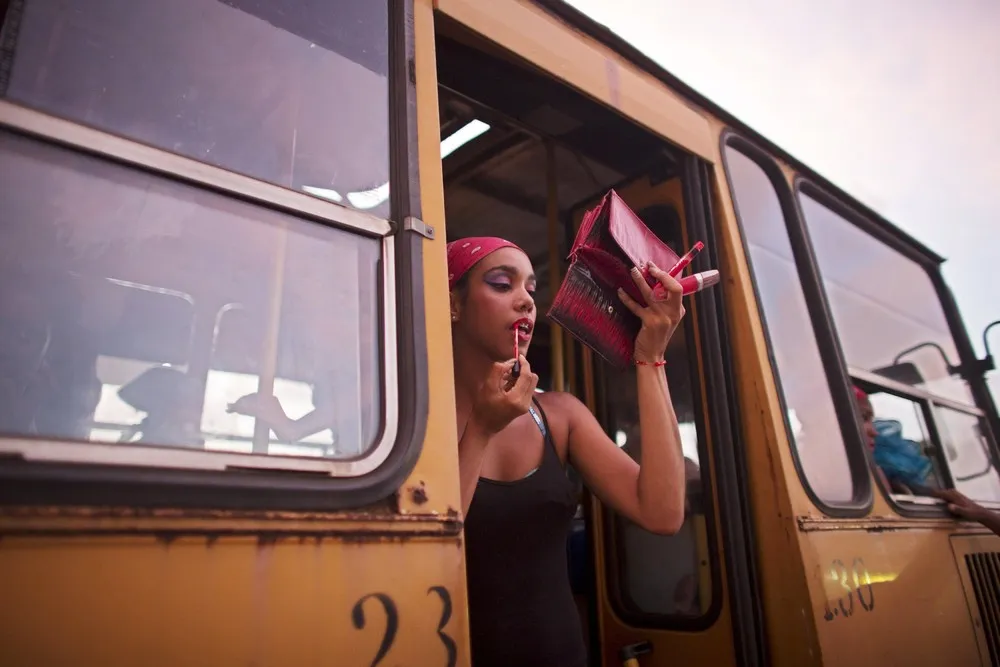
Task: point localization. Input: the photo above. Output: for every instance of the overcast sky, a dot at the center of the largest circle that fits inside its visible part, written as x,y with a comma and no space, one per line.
895,101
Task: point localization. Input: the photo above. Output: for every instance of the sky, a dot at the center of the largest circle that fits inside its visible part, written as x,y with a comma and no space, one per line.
895,101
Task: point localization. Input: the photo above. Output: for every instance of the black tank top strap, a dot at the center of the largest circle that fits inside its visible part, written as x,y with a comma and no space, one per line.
536,412
542,421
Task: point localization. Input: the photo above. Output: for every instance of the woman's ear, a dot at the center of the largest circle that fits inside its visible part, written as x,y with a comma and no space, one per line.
455,307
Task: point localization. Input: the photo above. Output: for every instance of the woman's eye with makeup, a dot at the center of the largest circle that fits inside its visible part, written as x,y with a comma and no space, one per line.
500,286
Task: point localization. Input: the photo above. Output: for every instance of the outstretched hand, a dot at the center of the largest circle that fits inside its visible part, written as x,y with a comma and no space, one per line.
502,398
967,508
960,504
660,317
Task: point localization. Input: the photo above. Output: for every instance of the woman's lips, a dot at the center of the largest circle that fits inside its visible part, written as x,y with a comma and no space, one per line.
524,329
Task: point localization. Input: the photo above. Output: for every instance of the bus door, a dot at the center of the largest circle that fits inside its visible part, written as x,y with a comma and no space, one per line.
526,151
684,598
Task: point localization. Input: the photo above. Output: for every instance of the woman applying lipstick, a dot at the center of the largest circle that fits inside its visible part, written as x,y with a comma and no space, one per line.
514,446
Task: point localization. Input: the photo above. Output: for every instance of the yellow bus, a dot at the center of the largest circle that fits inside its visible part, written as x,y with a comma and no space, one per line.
226,397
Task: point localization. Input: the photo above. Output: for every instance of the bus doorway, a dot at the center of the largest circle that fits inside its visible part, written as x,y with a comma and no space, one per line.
524,156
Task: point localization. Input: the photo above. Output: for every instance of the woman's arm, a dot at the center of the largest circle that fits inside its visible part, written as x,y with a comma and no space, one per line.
651,495
662,487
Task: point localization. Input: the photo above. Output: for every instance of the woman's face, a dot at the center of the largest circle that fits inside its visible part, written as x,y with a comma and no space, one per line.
499,292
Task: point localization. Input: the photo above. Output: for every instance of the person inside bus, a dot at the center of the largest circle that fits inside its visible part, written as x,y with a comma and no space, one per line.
171,400
899,462
514,446
868,429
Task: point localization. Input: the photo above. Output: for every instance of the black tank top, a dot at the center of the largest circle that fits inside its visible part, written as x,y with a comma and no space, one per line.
521,608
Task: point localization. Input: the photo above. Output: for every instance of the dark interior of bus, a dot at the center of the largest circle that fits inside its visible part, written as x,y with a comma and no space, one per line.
498,183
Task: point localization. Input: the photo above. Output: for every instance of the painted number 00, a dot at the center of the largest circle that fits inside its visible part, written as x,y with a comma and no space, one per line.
862,588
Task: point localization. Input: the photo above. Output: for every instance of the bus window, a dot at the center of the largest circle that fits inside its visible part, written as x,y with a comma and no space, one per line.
967,453
256,87
156,309
873,288
904,447
812,418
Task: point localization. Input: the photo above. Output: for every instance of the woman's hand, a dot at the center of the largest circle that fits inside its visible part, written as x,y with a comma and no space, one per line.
501,399
660,317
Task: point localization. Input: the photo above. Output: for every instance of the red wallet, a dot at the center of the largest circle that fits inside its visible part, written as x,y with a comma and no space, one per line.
612,239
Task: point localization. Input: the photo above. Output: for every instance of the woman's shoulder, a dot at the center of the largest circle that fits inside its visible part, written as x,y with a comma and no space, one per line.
560,409
559,404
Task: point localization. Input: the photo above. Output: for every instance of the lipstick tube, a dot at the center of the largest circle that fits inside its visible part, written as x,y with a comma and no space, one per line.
698,281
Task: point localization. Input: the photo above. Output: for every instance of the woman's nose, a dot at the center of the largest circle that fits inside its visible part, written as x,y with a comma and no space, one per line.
525,302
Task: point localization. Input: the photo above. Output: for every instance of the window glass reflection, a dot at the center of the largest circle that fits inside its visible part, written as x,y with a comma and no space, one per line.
966,448
815,427
289,91
140,311
883,305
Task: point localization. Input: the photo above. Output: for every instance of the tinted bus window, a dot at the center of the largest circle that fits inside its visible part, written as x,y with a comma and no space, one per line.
289,91
883,304
967,452
139,311
802,377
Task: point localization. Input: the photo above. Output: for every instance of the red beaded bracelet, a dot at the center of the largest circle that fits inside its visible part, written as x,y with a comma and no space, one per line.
657,364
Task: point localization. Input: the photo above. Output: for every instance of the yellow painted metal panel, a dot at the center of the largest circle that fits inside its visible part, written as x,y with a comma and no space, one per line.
913,613
127,601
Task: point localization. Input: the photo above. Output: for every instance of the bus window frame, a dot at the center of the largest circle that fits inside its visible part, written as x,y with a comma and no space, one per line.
931,263
821,319
46,471
729,463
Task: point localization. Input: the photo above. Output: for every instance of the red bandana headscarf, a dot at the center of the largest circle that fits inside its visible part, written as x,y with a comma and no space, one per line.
859,394
464,254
